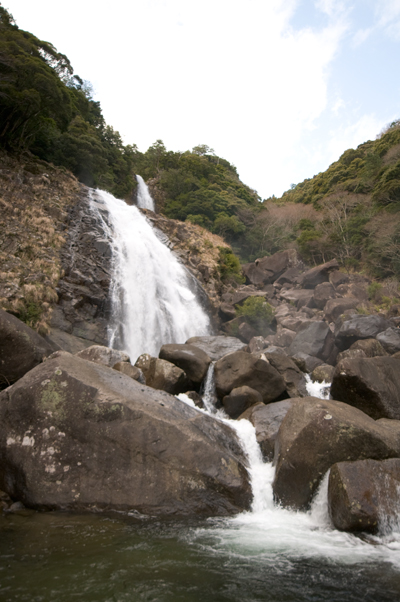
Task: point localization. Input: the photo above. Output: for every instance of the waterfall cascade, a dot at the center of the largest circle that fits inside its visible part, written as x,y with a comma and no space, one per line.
153,300
144,198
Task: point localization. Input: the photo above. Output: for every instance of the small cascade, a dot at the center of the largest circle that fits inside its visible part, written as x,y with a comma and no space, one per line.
153,298
144,198
315,389
209,395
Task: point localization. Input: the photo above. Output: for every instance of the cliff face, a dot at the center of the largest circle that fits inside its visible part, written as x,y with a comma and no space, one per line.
55,260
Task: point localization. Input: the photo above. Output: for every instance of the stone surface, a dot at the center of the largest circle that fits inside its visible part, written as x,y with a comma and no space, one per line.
359,327
293,377
390,340
313,339
336,307
131,371
163,375
298,296
322,293
76,435
350,354
319,274
67,342
193,360
21,349
306,363
323,373
103,355
371,347
370,384
364,495
239,368
247,332
217,346
267,269
267,419
239,400
314,435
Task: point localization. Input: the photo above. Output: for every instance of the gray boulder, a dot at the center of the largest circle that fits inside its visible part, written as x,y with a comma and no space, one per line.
267,419
336,307
314,339
371,347
21,349
364,495
239,400
323,293
163,375
371,384
76,435
390,340
131,371
193,360
359,327
103,355
239,368
306,363
314,435
319,274
293,377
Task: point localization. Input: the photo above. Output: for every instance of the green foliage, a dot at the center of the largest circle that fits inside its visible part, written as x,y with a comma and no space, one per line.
30,313
229,266
257,312
373,291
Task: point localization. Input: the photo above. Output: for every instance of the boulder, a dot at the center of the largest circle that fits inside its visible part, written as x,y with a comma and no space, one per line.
247,332
319,274
103,355
314,435
77,435
217,346
323,373
239,368
350,354
371,384
163,375
193,360
306,363
267,269
21,349
359,327
371,347
314,339
226,312
131,371
364,495
300,297
337,278
390,340
293,377
336,307
257,344
67,342
267,419
239,400
323,293
289,277
284,337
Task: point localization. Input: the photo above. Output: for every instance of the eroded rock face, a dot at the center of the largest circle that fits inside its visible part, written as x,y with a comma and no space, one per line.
314,435
193,360
267,419
103,355
77,435
239,369
21,349
370,384
364,495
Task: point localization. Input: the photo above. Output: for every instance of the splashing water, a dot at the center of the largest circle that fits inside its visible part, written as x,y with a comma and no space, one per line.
153,298
144,198
316,389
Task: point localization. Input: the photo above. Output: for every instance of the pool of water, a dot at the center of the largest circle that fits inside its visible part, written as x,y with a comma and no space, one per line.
60,557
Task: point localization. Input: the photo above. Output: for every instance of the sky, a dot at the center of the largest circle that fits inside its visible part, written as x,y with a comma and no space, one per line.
279,88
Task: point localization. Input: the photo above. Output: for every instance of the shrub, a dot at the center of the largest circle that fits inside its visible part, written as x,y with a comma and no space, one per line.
258,313
229,266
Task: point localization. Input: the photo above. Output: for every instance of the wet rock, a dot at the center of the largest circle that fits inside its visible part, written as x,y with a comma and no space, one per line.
370,384
103,355
21,349
267,419
314,435
239,368
190,358
359,327
239,400
313,339
76,435
322,373
217,346
364,495
390,340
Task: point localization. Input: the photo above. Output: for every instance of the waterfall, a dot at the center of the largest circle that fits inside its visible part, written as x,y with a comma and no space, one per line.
144,198
153,298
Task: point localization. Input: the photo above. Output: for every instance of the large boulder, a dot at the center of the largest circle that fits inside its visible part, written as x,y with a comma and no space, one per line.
371,384
103,355
314,339
390,340
359,327
77,435
319,274
317,433
299,296
193,360
336,307
364,495
267,419
293,377
323,293
21,349
371,347
240,368
267,269
239,400
163,375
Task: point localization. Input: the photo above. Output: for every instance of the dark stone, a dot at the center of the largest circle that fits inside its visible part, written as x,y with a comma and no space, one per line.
217,346
239,400
319,274
267,419
323,373
247,332
364,495
239,368
163,375
336,278
314,435
359,327
76,435
21,349
299,296
336,307
390,340
350,354
313,339
67,342
371,384
323,293
131,371
103,355
292,376
371,347
193,360
227,311
306,363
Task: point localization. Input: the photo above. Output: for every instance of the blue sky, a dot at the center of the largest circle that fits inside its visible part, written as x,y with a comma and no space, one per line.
280,88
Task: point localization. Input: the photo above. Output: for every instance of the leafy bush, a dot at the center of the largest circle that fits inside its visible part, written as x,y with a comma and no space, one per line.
229,266
258,313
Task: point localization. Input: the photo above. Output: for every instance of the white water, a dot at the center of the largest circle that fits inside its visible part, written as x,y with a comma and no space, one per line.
152,302
315,389
144,198
270,533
